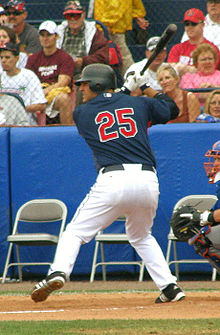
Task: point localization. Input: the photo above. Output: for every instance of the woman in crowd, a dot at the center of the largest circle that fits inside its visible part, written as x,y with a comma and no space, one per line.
211,109
204,59
187,102
8,35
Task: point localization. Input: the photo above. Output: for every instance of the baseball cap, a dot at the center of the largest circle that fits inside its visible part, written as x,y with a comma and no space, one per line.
73,7
16,5
152,42
14,48
2,10
49,26
194,15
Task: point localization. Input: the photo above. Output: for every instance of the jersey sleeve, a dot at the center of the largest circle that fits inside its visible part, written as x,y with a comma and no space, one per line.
163,109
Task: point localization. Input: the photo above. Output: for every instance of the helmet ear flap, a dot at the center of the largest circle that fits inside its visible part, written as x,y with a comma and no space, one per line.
96,88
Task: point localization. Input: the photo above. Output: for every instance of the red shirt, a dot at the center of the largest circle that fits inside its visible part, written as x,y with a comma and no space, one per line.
48,68
182,52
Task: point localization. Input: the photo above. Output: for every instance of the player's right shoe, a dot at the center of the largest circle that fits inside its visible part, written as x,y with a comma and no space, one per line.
53,282
171,293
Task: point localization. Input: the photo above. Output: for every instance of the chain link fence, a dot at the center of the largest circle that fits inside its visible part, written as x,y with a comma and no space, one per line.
160,13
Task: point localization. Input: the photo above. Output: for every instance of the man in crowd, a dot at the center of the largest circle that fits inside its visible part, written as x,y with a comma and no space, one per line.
23,82
181,53
55,68
212,23
81,39
28,35
151,73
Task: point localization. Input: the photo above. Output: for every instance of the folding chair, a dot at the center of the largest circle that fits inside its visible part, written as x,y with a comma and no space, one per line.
200,202
35,213
106,238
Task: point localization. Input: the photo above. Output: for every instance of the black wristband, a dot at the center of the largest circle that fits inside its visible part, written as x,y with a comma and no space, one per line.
143,87
125,90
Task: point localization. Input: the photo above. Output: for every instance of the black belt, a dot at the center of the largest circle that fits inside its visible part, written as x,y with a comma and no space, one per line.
144,167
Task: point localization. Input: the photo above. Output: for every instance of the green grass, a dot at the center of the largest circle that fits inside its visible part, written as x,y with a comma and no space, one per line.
112,327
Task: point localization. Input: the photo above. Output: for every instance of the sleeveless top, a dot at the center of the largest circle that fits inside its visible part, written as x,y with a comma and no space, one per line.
184,117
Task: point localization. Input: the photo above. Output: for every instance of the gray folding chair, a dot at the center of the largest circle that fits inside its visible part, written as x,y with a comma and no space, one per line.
106,238
35,212
200,202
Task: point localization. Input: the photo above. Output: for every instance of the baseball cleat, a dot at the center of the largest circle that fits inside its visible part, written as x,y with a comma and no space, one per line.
53,282
171,293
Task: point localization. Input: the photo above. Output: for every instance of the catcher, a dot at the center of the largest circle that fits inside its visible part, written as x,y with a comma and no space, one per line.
202,229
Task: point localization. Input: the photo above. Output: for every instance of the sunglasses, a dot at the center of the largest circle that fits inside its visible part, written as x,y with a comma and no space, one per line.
190,23
14,13
73,16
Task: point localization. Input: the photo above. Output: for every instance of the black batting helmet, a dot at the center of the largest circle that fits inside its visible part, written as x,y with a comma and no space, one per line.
100,77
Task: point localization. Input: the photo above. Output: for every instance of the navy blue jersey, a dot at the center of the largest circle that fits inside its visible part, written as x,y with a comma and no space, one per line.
115,127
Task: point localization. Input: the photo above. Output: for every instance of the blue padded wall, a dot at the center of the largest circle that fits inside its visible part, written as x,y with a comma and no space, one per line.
4,195
179,151
55,162
50,162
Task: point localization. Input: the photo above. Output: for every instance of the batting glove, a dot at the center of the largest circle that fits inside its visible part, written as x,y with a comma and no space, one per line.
142,82
130,83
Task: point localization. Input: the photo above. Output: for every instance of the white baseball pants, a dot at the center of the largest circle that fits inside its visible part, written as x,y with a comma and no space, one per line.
132,193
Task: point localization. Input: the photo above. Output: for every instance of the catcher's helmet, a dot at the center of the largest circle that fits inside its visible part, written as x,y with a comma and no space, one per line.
212,155
100,77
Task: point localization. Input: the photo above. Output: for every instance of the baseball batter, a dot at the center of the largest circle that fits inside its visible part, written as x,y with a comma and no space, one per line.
114,126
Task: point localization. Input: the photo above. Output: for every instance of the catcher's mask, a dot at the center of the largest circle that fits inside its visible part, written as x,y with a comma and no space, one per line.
212,155
101,77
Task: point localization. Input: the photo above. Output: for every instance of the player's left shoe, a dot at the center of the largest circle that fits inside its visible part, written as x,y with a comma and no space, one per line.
53,282
171,293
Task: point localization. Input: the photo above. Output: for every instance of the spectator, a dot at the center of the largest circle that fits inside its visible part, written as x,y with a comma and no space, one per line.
204,60
13,109
151,72
187,102
21,81
81,39
8,35
118,16
3,16
54,68
181,53
211,109
27,34
212,23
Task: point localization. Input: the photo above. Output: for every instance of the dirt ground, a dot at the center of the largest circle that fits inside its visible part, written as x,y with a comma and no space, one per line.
135,301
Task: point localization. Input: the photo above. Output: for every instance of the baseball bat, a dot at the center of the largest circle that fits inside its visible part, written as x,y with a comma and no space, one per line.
165,38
